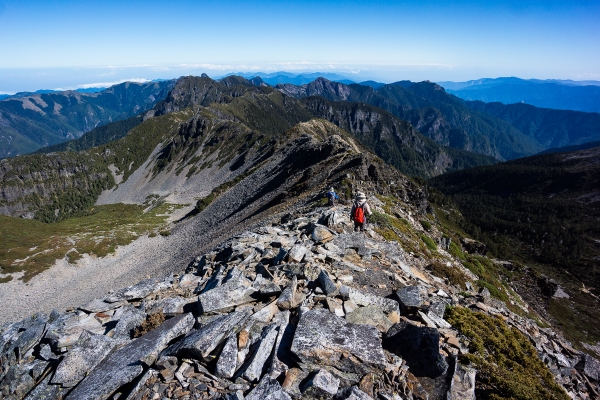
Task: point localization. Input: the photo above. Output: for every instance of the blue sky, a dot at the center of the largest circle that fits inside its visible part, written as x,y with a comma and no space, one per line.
70,44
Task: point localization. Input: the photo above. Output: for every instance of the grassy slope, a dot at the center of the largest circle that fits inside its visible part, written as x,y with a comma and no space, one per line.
32,246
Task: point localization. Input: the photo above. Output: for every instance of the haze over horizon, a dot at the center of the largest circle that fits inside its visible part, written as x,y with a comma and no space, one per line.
69,45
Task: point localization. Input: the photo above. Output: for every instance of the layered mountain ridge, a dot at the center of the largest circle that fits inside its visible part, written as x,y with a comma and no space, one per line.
204,124
37,120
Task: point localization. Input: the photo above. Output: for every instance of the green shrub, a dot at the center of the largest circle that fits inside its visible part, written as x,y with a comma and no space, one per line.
380,219
507,363
426,225
456,251
429,242
454,275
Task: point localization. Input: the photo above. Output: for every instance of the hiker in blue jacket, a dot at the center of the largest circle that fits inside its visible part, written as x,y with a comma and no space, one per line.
331,197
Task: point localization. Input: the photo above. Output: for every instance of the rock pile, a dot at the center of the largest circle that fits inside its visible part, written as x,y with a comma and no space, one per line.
294,310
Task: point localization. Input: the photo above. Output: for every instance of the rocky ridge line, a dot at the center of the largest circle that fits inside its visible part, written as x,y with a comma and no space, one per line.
301,308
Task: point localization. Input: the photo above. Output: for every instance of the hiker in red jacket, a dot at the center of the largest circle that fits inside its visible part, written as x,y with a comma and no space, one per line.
360,210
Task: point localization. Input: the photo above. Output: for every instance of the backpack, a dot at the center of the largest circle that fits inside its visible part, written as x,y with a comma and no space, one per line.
359,214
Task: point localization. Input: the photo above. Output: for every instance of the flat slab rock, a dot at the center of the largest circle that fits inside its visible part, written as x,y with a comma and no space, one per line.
322,338
232,293
201,342
82,358
370,315
98,306
125,364
137,291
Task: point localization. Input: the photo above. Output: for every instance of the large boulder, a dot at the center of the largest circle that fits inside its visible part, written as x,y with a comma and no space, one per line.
234,292
324,339
589,366
410,297
419,346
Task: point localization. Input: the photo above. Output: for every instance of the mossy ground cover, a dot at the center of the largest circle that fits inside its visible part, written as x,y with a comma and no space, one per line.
32,246
507,363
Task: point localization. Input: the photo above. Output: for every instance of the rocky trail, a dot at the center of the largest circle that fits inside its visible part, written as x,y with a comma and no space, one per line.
300,308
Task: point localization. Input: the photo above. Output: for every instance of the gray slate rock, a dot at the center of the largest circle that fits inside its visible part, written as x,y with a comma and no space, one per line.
228,359
201,342
321,234
45,391
287,299
366,299
297,253
98,305
589,366
281,347
135,292
462,386
485,295
321,385
230,294
354,393
269,289
259,361
268,389
122,366
46,353
28,339
322,338
138,389
410,297
438,308
82,358
170,306
419,346
130,319
370,315
65,331
18,381
328,286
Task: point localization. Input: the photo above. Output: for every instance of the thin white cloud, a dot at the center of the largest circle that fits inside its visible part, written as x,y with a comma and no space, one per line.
108,84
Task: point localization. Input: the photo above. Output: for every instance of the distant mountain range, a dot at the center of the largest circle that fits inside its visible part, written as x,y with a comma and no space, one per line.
493,129
275,78
556,94
36,120
47,91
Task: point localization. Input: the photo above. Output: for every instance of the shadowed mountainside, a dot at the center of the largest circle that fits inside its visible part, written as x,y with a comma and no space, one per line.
551,128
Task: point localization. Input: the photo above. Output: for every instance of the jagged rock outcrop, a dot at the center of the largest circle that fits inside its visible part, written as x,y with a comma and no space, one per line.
256,343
